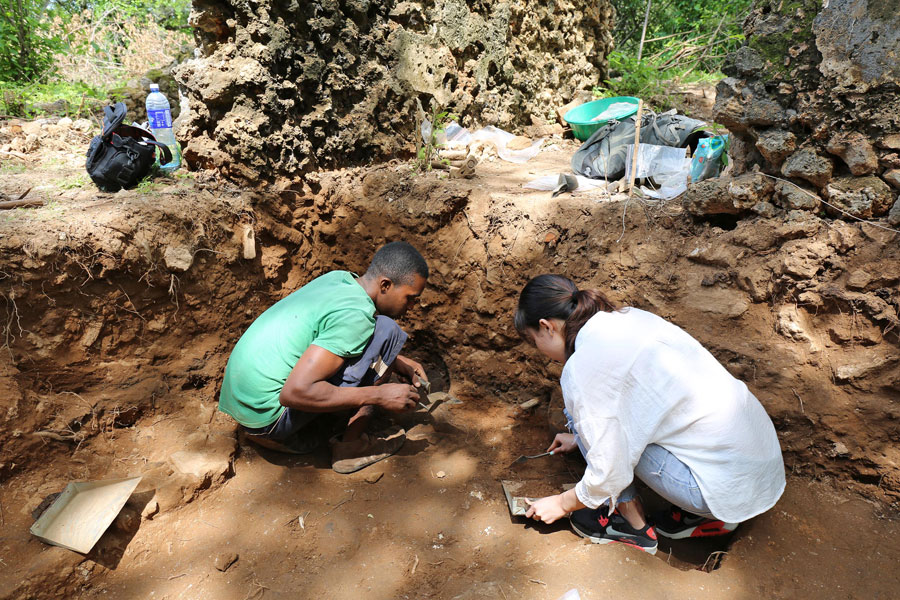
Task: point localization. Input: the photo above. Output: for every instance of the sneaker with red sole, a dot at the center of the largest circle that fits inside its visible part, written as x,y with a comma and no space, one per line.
678,524
594,525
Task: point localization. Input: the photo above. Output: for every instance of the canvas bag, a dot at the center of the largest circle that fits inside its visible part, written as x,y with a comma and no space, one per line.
602,156
121,155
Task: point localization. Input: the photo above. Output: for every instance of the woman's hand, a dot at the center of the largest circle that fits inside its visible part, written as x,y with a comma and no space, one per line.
563,442
547,510
408,369
552,508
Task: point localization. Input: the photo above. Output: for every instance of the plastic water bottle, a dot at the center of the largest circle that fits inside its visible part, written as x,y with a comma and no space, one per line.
159,115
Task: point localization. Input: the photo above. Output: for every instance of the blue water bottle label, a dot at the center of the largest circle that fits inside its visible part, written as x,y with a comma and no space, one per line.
159,119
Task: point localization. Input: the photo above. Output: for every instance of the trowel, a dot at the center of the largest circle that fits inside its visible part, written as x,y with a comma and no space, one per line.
424,389
524,457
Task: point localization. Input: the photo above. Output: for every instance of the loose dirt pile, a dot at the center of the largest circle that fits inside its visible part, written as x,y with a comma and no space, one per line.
120,311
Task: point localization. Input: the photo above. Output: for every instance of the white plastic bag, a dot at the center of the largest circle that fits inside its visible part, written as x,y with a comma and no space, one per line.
571,595
667,167
501,138
453,134
549,182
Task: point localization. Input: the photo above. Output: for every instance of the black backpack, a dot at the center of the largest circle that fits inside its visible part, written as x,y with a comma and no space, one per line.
122,155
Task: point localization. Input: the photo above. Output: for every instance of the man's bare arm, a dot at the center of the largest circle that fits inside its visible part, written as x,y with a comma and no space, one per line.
307,387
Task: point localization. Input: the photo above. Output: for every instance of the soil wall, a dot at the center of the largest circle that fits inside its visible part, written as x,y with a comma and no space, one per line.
128,308
285,88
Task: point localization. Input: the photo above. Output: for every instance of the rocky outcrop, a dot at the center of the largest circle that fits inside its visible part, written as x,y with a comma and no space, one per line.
284,88
814,97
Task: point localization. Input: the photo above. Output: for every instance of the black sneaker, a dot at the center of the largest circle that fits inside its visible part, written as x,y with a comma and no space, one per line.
592,523
677,524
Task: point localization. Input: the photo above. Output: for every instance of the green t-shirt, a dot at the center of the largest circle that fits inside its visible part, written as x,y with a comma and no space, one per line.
332,311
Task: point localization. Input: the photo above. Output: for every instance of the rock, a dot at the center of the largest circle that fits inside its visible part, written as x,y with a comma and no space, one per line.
727,196
892,176
723,302
866,363
891,141
749,189
839,449
580,97
32,143
64,123
757,282
793,197
207,457
178,258
765,209
893,217
854,37
224,560
856,151
708,197
539,131
529,404
748,61
862,197
151,510
776,145
31,127
715,255
82,125
859,279
804,261
808,165
791,324
277,75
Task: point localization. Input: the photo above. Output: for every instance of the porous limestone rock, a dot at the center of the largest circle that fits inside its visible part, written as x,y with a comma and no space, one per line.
862,197
285,88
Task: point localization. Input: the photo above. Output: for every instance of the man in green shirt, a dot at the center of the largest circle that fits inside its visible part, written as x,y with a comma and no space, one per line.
322,349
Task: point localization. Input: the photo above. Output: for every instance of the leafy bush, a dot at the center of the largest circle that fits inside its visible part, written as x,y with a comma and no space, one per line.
70,53
26,44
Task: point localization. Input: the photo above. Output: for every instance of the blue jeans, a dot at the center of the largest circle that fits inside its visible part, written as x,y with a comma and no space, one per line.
663,473
386,343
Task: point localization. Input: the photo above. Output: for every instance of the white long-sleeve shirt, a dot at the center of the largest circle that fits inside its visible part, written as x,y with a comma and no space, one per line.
635,379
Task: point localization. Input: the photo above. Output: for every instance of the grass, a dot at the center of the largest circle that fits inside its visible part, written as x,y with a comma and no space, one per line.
647,80
22,99
76,181
12,168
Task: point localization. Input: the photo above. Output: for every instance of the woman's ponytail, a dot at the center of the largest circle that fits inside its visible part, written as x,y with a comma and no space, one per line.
557,297
587,304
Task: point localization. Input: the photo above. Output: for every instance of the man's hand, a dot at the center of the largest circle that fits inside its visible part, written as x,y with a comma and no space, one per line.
563,442
397,397
408,369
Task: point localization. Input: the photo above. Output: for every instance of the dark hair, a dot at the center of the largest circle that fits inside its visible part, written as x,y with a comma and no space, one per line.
398,261
557,297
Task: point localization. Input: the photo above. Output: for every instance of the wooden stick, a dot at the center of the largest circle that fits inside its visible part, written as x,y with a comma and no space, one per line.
644,32
20,203
637,140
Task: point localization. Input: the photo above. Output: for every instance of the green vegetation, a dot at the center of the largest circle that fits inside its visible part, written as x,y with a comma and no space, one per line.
76,181
686,42
427,151
63,56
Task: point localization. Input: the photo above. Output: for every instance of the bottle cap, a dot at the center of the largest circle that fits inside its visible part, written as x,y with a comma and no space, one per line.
154,87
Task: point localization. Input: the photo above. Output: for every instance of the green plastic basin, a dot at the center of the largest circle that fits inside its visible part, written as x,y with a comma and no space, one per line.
580,117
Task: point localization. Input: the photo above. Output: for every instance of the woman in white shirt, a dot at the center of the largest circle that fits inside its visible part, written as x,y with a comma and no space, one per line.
645,398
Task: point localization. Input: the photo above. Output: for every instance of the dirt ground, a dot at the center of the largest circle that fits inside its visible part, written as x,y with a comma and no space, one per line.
120,311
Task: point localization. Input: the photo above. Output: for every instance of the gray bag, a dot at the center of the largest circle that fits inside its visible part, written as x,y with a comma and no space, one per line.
602,156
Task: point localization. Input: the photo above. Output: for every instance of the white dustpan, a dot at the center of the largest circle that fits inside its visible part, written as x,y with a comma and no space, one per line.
80,515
